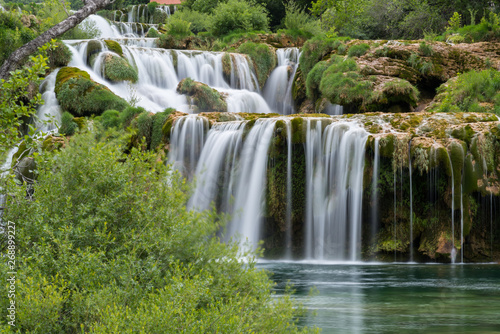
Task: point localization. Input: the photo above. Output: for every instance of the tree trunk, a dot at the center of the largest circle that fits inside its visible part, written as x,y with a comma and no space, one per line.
17,57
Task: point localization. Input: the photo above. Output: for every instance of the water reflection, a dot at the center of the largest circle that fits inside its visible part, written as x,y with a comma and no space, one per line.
401,298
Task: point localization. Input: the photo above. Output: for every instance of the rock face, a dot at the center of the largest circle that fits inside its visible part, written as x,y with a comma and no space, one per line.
206,99
412,66
81,96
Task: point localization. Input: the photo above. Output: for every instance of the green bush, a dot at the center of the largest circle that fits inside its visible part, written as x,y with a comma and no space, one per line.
314,78
199,21
298,22
235,15
178,27
342,84
158,122
314,50
144,123
68,126
358,50
129,114
110,119
59,56
425,49
152,33
471,91
108,246
263,58
13,34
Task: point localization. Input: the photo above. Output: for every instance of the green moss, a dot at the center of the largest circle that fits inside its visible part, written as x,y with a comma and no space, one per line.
152,33
227,66
144,124
205,98
68,126
114,46
465,134
298,130
117,69
457,162
263,58
314,50
81,96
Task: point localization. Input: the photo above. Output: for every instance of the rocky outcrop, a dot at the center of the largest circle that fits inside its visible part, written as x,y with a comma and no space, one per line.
204,98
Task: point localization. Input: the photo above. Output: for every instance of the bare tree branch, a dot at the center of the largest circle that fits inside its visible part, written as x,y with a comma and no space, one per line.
16,58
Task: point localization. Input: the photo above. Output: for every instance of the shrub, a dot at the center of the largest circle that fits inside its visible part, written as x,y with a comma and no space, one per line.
342,84
129,114
425,49
314,50
199,21
144,123
68,126
59,56
263,58
110,119
158,122
298,22
152,33
178,27
236,15
314,78
108,246
358,50
471,91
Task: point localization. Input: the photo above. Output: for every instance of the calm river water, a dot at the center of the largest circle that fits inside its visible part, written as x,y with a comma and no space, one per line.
394,298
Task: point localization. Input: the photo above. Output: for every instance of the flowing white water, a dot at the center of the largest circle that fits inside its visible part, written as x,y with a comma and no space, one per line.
334,183
278,88
411,201
288,236
453,250
187,139
214,173
250,184
49,113
374,206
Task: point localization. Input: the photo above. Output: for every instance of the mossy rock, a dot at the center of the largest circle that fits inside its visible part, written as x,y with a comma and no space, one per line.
263,57
94,47
81,96
205,98
114,46
227,66
117,69
169,123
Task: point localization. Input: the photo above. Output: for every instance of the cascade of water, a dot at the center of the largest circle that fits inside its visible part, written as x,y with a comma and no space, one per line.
374,213
187,139
49,113
453,251
334,109
411,201
461,223
289,199
216,162
334,183
278,88
242,76
250,183
395,212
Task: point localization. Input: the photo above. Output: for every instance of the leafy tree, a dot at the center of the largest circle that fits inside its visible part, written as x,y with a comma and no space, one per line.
238,15
108,246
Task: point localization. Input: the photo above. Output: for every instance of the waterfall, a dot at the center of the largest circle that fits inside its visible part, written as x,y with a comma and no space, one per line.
411,201
49,113
453,250
334,182
278,88
217,162
288,237
250,184
374,199
187,139
242,76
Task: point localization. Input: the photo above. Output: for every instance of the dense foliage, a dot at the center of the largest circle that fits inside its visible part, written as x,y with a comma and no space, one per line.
106,245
